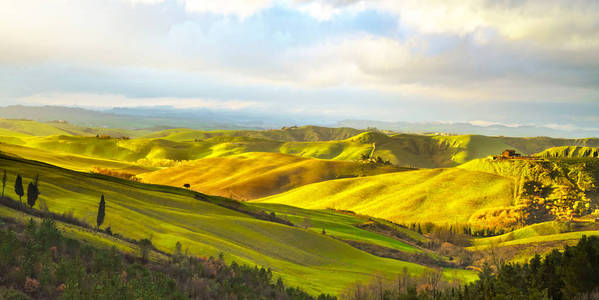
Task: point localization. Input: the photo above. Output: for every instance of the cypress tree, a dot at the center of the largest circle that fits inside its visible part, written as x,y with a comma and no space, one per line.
32,194
19,187
3,184
101,212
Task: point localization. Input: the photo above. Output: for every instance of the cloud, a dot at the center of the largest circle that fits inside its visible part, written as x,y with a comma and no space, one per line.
112,100
240,8
460,52
558,23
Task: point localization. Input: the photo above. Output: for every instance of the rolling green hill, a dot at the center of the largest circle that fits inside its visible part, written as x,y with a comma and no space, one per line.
439,195
166,215
258,174
413,150
70,161
27,127
570,152
542,238
287,134
22,127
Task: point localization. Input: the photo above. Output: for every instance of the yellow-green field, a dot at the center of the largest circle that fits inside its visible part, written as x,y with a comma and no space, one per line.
307,258
69,161
258,174
16,127
303,134
437,195
522,244
570,152
94,238
339,225
536,233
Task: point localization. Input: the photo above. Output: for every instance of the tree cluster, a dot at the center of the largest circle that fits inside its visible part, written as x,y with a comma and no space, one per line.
571,274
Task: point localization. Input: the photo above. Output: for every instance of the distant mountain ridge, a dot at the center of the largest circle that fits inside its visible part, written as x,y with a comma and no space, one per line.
164,117
116,118
470,128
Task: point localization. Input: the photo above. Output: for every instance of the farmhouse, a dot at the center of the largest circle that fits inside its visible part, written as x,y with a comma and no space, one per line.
512,154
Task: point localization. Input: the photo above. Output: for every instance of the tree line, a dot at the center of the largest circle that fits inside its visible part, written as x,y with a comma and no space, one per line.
33,191
568,274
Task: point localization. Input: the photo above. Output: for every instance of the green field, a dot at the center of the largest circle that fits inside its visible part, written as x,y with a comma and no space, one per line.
570,152
306,258
297,134
536,233
12,127
338,225
69,161
94,238
437,195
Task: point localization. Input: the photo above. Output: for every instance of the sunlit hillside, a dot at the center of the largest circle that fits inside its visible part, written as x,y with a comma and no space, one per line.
70,161
258,174
406,150
20,127
287,134
440,196
570,152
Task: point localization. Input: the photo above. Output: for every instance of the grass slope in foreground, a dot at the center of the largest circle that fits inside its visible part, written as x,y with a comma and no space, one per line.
316,262
42,262
437,195
258,174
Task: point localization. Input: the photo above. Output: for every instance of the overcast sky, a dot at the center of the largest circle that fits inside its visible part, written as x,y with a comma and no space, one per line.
510,61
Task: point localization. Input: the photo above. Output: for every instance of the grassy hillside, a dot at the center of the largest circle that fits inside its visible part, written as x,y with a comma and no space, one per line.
18,127
530,233
340,226
524,243
570,152
40,259
166,215
69,161
257,174
27,127
97,239
413,150
298,134
537,144
438,195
